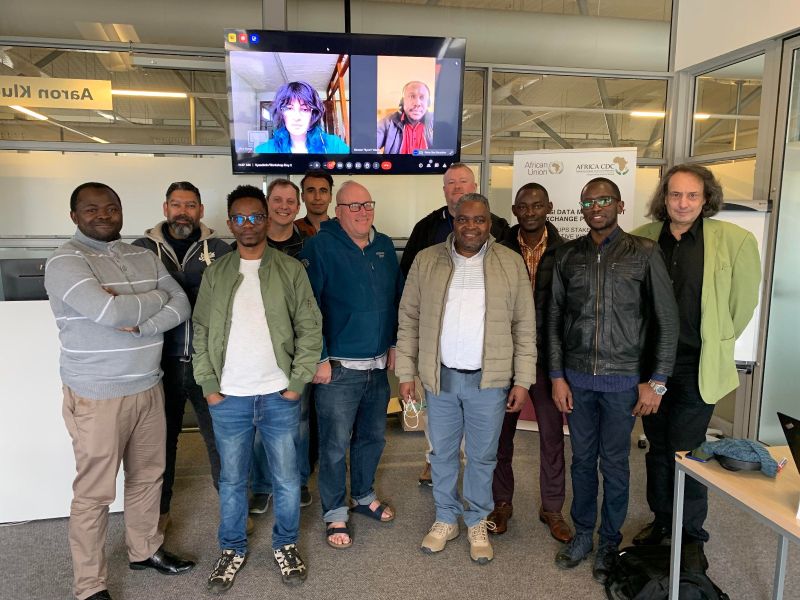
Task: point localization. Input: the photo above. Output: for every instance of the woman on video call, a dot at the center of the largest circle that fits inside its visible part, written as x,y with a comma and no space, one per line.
297,112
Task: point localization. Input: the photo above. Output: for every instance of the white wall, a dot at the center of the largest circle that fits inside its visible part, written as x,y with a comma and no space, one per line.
710,28
35,189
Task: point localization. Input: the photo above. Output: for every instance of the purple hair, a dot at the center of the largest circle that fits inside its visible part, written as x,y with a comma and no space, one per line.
303,93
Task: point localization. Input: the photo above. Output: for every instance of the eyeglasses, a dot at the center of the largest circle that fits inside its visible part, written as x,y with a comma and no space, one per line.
256,219
602,202
357,206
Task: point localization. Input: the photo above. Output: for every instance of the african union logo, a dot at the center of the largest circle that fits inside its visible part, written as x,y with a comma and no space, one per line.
556,167
622,165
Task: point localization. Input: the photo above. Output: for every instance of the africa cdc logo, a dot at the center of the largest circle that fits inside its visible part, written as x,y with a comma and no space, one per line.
621,165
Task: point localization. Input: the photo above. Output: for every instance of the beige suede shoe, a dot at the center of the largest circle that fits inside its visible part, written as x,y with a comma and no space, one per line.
439,534
480,549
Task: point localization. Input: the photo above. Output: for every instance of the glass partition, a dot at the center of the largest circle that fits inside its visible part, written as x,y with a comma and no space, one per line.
736,177
727,108
196,113
779,391
472,113
536,112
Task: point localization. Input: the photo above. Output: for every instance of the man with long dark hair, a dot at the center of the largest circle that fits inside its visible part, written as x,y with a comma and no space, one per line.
715,271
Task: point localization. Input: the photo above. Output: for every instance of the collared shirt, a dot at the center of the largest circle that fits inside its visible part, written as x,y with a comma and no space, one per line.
461,339
532,256
684,258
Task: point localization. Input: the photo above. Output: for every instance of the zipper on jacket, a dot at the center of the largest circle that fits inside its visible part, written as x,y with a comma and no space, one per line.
438,369
597,316
181,268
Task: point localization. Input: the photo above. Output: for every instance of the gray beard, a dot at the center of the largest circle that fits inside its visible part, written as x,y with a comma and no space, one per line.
180,231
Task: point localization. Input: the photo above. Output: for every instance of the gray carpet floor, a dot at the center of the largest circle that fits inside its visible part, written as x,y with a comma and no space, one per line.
385,561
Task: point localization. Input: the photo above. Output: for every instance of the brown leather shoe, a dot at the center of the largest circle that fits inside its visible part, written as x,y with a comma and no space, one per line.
499,516
558,526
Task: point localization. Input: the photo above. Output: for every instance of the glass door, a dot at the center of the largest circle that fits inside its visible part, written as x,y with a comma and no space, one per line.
780,390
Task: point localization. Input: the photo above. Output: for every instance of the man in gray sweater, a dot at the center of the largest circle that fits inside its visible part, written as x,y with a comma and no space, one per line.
112,302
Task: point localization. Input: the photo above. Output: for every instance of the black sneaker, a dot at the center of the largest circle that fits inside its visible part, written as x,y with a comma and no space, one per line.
228,565
293,569
259,503
575,551
604,561
305,496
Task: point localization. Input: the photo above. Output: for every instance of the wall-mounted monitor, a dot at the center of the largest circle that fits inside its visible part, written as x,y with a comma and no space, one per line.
22,279
345,103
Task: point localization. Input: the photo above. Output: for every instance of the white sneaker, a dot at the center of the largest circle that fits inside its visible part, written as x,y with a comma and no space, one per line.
439,534
480,548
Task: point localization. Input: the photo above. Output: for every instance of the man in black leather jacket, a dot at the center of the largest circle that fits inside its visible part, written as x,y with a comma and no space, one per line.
613,322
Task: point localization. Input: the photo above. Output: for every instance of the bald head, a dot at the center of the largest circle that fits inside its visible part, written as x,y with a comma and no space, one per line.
458,180
356,223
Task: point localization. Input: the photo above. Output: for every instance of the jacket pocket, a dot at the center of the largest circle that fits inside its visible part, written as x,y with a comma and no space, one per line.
626,282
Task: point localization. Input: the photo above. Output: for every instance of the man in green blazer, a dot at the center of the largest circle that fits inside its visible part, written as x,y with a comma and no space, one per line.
716,273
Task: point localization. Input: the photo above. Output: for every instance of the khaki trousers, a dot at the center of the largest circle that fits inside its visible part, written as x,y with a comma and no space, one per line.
132,430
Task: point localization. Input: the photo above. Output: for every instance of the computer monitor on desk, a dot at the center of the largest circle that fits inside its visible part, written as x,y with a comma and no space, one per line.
22,279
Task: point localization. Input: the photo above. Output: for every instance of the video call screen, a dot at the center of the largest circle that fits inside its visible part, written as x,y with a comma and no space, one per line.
344,103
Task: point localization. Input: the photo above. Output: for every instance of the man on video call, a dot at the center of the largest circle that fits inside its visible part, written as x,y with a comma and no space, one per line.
411,127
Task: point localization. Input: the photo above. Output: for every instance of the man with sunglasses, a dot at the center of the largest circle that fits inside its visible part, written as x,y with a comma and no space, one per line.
186,247
612,324
257,341
357,283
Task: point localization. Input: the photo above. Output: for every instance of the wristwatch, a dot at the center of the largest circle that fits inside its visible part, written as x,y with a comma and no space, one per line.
658,388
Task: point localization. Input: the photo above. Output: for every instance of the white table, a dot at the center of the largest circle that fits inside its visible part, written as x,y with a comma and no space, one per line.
771,501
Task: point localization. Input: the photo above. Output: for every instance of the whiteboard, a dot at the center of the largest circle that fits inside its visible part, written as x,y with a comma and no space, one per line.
757,223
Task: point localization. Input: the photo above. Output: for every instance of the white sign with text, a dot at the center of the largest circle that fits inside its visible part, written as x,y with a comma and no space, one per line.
563,173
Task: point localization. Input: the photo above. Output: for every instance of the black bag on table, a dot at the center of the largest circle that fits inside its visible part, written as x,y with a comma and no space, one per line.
642,573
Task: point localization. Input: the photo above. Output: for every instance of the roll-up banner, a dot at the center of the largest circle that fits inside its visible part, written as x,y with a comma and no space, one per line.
563,173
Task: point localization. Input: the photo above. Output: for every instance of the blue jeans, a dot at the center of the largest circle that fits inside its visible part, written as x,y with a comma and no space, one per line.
600,426
236,420
351,413
260,473
463,409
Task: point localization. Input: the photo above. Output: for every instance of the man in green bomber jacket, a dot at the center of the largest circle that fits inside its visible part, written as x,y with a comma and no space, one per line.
716,272
258,335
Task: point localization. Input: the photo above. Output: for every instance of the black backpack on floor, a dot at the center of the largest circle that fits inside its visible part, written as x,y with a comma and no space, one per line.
642,573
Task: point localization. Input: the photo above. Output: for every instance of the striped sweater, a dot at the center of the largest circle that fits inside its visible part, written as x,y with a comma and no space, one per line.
96,290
